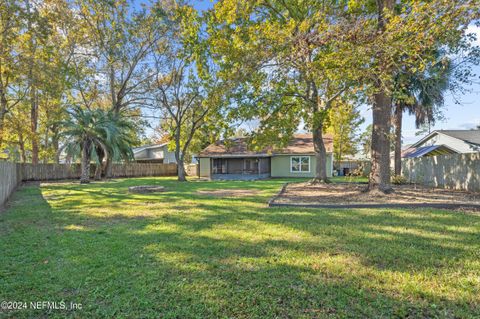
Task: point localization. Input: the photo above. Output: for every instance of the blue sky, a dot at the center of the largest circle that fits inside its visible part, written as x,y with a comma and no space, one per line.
203,4
465,115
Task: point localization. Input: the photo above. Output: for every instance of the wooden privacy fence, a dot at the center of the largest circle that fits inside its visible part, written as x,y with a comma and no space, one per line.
45,172
9,180
457,171
141,169
11,174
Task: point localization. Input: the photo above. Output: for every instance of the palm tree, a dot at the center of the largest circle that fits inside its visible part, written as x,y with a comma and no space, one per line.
97,134
422,95
83,136
118,138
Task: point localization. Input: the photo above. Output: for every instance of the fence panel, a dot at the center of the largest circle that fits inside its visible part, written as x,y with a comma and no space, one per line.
45,172
456,171
143,169
9,180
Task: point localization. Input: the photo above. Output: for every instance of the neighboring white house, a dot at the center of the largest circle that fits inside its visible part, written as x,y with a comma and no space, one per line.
154,154
445,142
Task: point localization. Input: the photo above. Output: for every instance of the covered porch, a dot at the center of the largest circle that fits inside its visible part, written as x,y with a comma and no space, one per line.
240,168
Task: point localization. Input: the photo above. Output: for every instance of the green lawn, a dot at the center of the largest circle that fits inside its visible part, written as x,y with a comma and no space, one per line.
180,254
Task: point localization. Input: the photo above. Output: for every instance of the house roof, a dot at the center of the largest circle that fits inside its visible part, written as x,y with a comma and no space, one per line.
468,136
300,144
147,147
431,150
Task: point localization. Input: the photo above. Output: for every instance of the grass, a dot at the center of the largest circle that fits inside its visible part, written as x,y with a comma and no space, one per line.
180,254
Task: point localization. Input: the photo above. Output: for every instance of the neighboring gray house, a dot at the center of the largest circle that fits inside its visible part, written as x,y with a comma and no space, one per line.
445,142
154,154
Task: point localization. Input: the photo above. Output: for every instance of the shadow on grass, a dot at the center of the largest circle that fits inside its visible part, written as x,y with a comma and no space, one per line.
198,256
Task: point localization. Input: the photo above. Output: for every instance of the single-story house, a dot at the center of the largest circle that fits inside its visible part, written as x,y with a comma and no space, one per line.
158,153
232,159
444,142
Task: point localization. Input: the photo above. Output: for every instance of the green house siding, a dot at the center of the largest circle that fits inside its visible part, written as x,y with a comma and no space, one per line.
204,167
281,167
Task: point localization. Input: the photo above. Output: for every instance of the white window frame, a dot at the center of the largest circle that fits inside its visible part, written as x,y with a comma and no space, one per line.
300,161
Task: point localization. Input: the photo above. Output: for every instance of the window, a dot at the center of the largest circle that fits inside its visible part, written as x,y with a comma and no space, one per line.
219,166
300,164
251,165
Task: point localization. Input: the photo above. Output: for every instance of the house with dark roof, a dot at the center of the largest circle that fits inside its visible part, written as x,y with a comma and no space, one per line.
444,142
233,159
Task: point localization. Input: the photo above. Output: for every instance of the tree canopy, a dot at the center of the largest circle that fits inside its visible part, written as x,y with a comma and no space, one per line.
285,65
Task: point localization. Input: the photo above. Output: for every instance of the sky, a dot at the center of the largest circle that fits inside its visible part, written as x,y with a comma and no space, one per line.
461,112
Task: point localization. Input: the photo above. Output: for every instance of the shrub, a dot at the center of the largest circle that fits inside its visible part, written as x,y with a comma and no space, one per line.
399,180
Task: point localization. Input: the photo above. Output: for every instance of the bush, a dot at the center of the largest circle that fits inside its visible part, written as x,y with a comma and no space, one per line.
399,180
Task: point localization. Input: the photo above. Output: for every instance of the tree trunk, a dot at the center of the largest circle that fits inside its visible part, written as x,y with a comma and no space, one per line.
34,125
380,173
45,146
21,145
85,166
320,155
179,157
55,145
99,166
181,170
3,112
108,167
32,86
381,114
397,121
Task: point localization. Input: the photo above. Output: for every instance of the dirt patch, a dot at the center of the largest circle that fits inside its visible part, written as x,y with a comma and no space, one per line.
145,189
354,195
230,192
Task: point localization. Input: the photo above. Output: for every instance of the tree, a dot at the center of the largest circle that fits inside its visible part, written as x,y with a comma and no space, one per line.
185,87
343,123
91,133
118,138
33,74
422,95
395,37
365,141
85,130
113,59
117,41
291,62
10,26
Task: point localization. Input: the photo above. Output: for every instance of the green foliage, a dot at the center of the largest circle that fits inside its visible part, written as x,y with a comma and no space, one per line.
285,76
343,124
102,130
422,93
365,140
399,180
